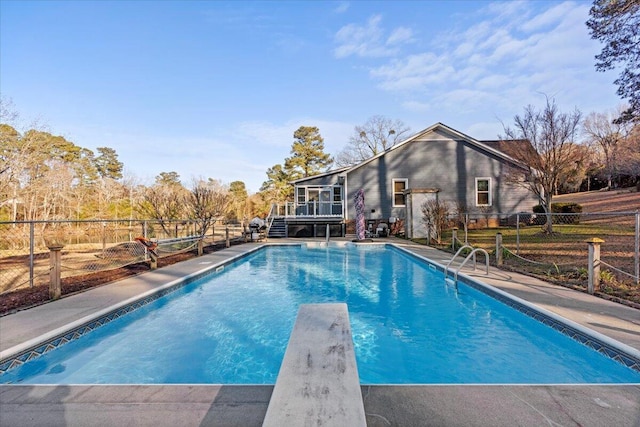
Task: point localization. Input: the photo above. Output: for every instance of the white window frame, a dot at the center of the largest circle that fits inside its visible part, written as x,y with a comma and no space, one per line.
393,191
336,189
302,193
489,191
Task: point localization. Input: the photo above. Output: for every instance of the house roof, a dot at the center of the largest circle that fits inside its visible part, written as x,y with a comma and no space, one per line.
516,148
487,146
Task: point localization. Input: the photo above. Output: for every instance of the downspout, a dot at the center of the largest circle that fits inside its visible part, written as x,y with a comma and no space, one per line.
345,198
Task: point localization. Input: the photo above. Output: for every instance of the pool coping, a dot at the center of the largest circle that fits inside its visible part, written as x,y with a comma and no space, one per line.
35,347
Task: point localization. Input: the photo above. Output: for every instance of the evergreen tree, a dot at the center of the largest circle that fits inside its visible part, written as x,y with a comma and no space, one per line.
277,187
617,25
107,163
307,153
239,196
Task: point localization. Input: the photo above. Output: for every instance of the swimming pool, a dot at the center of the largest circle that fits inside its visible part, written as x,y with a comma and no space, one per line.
409,327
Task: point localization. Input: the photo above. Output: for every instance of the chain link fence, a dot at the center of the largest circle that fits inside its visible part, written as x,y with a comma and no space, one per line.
560,254
94,246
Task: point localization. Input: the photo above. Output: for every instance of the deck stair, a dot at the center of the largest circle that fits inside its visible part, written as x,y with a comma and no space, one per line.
278,228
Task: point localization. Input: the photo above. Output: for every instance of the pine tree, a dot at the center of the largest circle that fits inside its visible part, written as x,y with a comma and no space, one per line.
307,153
617,25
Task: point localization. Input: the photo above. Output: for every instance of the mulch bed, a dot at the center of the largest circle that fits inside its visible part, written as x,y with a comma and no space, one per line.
21,299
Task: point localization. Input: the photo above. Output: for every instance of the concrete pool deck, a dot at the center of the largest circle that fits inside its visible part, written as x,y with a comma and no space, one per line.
217,405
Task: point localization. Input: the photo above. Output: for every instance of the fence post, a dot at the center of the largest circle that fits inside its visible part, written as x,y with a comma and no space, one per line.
454,236
201,245
153,260
55,257
517,233
594,264
499,249
637,254
104,237
227,242
31,253
466,229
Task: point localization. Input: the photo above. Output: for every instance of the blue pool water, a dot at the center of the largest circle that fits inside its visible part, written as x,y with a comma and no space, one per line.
408,327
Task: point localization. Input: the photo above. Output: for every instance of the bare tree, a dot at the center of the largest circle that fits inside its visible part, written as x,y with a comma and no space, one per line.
165,200
209,200
630,153
574,170
376,135
8,113
434,217
605,133
550,133
12,159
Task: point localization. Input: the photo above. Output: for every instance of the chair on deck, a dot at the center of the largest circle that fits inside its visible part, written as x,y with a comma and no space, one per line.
382,230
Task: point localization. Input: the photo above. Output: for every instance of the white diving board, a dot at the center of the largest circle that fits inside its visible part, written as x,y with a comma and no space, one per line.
318,383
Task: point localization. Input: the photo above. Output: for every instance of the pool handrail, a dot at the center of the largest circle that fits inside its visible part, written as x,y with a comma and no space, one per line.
446,269
471,254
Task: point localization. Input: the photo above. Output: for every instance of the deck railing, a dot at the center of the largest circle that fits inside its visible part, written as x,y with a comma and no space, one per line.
313,209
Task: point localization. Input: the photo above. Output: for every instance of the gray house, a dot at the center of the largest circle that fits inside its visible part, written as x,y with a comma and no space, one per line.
436,163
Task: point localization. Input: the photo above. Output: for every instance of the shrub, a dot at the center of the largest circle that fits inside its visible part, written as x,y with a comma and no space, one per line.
561,208
566,208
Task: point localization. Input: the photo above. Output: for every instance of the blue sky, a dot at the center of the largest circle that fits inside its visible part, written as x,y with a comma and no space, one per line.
216,89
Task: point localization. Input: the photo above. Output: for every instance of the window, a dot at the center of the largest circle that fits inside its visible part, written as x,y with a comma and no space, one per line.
301,196
337,194
399,185
483,191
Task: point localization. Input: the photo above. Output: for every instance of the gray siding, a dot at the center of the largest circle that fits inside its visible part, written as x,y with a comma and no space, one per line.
331,179
435,161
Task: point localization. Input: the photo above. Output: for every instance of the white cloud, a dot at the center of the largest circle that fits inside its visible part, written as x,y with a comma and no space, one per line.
514,53
342,7
400,35
413,72
549,17
510,11
369,40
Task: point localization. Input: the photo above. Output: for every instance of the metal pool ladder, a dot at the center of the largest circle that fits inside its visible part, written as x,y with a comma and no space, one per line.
472,254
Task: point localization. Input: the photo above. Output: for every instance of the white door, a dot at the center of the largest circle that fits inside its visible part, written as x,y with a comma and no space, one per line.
325,202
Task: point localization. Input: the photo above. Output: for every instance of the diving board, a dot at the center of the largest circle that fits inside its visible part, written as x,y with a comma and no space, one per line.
318,383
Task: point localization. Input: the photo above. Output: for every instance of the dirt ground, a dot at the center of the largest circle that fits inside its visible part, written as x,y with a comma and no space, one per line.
21,299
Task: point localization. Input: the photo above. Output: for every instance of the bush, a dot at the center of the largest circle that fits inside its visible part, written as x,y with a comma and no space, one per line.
561,208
